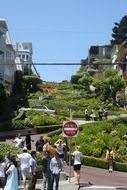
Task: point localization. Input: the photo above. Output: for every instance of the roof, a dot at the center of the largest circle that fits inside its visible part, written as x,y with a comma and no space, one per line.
3,23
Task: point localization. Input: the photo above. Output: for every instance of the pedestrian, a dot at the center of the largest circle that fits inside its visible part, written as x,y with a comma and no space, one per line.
93,115
39,144
60,149
18,141
86,115
2,172
105,114
110,158
25,165
46,171
33,171
77,164
66,150
100,114
47,146
7,162
12,173
28,140
55,167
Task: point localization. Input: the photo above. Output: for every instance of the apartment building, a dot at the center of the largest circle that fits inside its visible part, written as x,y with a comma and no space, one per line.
99,52
23,53
7,56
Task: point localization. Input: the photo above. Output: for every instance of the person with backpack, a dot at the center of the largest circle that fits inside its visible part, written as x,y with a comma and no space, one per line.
110,158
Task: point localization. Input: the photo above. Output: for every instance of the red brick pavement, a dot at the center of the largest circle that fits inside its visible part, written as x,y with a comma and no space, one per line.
99,176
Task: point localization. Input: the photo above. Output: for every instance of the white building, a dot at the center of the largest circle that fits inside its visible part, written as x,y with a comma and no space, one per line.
23,51
7,56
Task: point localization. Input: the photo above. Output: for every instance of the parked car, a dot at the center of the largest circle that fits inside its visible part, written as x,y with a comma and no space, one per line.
39,108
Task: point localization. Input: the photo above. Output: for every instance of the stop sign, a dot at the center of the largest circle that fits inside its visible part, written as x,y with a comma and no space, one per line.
70,129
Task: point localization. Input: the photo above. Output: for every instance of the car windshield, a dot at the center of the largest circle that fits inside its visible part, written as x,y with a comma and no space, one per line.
39,107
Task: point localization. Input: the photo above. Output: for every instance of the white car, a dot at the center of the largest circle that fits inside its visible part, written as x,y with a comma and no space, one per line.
39,108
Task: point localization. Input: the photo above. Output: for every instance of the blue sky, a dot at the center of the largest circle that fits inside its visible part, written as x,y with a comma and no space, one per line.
61,30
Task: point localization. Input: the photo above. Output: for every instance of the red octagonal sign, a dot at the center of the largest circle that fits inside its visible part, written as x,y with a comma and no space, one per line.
70,129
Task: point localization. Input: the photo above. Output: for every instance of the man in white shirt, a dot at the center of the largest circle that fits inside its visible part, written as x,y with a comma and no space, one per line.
77,164
55,167
33,171
25,165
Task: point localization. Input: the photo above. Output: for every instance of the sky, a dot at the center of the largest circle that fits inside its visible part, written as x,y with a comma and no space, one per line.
61,31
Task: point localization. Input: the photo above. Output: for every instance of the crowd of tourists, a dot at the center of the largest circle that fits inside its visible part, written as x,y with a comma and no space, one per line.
23,166
101,114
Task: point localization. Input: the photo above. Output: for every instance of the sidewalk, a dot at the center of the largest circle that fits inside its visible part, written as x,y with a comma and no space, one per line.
100,180
66,185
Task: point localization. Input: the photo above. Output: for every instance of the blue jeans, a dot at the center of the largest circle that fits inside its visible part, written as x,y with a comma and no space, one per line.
55,178
47,180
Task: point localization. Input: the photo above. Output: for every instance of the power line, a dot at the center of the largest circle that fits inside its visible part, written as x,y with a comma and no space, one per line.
65,63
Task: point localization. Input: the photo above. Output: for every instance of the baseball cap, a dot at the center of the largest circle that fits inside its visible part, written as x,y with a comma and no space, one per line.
24,148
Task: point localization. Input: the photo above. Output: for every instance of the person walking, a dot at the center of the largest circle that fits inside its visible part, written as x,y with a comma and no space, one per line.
77,164
110,158
25,165
2,172
39,144
55,167
18,141
47,146
28,140
12,173
46,171
33,171
86,115
60,149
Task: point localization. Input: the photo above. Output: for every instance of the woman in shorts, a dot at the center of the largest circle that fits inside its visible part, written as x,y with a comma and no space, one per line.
77,164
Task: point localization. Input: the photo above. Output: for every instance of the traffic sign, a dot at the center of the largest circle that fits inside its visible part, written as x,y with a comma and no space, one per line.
70,129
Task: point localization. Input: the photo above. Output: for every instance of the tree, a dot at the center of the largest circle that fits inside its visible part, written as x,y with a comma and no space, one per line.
109,87
31,83
3,96
18,85
110,72
75,78
86,81
119,31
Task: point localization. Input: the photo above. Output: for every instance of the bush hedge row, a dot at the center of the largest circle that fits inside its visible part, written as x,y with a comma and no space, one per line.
43,129
102,163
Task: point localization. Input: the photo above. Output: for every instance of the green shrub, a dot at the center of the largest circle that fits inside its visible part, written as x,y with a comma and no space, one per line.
44,129
18,124
94,162
101,163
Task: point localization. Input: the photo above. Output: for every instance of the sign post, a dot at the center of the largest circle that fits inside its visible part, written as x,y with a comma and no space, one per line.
70,129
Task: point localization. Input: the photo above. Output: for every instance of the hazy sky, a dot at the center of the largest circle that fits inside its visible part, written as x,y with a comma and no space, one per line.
61,30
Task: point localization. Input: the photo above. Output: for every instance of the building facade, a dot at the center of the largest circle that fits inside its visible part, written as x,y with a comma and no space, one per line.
7,56
23,53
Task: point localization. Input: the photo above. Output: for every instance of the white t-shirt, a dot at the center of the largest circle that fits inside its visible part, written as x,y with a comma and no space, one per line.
18,142
77,157
33,164
60,148
25,159
2,169
55,165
